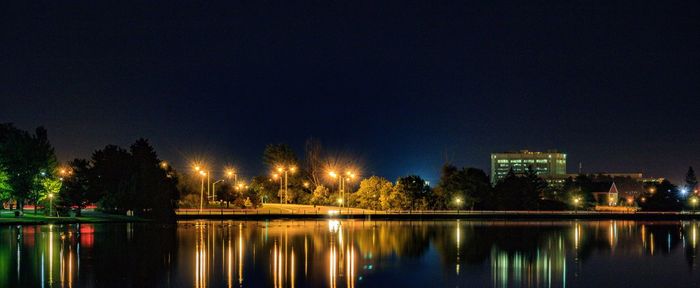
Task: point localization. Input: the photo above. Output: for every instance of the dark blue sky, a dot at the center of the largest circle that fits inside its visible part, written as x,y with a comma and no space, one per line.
402,85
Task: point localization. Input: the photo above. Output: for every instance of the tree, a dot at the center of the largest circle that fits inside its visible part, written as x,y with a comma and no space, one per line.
113,169
77,191
396,199
539,184
26,157
468,185
155,186
265,188
371,190
135,181
320,196
691,182
314,162
410,192
663,198
278,154
5,188
515,193
225,192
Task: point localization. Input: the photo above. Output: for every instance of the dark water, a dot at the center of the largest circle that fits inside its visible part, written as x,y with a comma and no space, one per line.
329,253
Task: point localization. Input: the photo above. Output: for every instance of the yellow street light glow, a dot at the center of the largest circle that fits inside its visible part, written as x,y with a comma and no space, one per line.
202,173
50,195
280,169
332,174
293,169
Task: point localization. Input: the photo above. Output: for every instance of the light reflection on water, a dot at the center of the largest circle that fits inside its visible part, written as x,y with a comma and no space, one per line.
351,253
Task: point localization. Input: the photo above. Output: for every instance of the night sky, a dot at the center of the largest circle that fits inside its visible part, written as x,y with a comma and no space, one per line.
401,85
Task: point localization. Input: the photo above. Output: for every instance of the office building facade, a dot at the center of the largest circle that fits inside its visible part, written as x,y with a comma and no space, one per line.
550,165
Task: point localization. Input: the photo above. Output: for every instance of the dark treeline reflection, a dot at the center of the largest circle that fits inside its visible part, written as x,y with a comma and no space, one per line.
86,255
349,253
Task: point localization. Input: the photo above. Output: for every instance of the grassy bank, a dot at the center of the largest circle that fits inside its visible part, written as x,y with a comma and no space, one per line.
7,217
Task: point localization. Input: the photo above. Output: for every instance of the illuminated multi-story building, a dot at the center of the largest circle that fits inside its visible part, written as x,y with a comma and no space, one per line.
550,165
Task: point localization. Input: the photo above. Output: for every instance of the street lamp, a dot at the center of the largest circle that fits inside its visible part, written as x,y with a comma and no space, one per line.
342,181
459,203
232,173
576,200
286,170
50,204
213,189
694,202
201,173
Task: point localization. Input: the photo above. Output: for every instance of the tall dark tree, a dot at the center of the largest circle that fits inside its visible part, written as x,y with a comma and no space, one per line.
155,185
77,190
135,181
691,182
664,197
468,185
113,169
515,193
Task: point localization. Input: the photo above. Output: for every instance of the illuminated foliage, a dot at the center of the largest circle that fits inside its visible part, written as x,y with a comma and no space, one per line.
371,191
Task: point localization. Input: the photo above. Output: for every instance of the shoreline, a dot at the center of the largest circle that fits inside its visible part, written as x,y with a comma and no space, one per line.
492,215
28,218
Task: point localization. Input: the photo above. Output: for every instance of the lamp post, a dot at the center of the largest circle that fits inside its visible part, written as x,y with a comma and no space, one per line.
342,181
286,170
276,177
201,191
213,189
459,203
576,200
693,203
232,173
50,204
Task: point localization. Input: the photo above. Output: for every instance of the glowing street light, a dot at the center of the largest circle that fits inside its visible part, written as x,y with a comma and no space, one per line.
576,201
342,181
232,173
694,202
50,204
286,170
198,169
459,203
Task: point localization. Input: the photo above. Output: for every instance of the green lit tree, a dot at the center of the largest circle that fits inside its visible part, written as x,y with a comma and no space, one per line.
26,157
5,188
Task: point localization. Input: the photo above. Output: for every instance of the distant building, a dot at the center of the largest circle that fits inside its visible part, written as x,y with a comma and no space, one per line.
550,165
636,176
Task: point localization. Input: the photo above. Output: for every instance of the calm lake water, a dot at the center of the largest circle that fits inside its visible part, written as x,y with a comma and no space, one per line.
352,253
